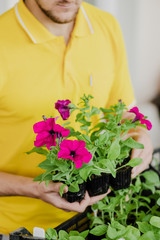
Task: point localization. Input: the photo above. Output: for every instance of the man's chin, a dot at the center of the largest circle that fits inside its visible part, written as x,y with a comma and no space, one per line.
62,19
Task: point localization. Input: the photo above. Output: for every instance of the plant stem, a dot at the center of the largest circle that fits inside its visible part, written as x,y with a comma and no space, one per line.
103,170
121,206
122,166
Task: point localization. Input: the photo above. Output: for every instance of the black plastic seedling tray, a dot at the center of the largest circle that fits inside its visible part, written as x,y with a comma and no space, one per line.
79,222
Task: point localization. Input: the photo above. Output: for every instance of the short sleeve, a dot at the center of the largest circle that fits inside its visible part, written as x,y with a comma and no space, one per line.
3,71
122,87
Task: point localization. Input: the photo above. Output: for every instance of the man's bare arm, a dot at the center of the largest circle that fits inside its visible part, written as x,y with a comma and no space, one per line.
13,185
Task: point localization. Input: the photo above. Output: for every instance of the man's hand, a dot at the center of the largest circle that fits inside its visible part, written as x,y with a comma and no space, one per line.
140,135
50,194
146,153
13,185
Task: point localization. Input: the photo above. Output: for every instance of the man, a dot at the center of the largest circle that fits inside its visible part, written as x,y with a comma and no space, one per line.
50,50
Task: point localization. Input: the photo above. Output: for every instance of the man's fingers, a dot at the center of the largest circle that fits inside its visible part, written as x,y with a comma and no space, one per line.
75,206
56,200
99,197
136,153
87,201
140,168
84,203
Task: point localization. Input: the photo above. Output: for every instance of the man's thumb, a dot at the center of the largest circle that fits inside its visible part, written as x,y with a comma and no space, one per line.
56,187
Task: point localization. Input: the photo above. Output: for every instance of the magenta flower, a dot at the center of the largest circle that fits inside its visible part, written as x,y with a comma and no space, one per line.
76,151
139,116
63,108
147,123
48,131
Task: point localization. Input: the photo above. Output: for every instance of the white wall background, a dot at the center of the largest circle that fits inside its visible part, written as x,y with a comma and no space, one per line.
139,20
6,4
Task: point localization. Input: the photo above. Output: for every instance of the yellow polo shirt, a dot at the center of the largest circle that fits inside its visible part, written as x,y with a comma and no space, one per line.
37,69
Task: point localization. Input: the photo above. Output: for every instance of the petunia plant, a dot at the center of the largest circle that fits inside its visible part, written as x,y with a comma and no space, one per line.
75,151
63,108
105,139
140,117
48,132
92,156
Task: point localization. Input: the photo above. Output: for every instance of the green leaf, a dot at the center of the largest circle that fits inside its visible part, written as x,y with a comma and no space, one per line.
73,187
65,124
84,127
46,165
80,138
63,234
151,177
132,233
60,177
84,172
110,165
155,221
148,236
73,132
79,116
100,125
103,138
76,238
96,172
99,230
149,187
94,111
72,106
96,221
51,233
38,178
47,182
111,232
104,110
144,227
85,122
38,150
47,173
116,224
73,233
62,189
84,234
134,162
114,150
158,201
86,137
130,142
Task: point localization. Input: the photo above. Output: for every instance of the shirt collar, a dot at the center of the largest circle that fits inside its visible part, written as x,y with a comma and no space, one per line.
38,33
83,26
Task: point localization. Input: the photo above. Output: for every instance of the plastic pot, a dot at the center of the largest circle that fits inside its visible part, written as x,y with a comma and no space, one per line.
98,184
76,196
122,179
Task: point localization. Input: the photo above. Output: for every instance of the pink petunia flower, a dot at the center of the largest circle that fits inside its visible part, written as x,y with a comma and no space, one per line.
48,131
147,123
139,116
75,151
63,108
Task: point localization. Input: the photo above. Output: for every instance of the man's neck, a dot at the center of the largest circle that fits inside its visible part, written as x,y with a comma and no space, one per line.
56,29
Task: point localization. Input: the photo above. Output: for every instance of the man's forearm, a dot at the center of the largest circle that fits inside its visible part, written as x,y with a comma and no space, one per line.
13,185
